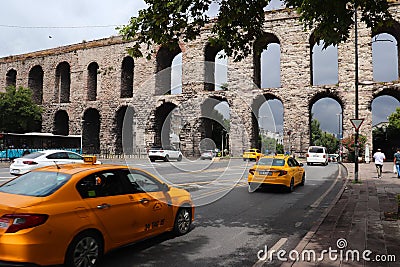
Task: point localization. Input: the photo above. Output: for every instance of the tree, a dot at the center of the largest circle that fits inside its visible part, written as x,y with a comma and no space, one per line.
320,138
18,112
240,22
348,143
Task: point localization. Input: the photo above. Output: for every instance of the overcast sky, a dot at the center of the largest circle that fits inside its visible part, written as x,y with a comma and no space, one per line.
27,26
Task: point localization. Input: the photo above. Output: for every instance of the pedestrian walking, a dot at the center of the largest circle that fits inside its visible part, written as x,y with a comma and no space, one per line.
396,161
379,158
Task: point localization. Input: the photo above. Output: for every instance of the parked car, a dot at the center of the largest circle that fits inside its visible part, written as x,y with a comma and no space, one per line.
276,170
333,157
73,214
317,155
164,153
207,154
43,158
252,154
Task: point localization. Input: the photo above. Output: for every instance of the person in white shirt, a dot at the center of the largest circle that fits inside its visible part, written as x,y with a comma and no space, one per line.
379,158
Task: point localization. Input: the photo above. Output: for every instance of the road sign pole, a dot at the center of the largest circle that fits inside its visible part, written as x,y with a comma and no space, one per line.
356,157
356,124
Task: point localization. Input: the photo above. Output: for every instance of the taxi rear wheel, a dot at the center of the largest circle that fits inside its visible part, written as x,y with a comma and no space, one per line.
183,221
290,189
303,179
85,250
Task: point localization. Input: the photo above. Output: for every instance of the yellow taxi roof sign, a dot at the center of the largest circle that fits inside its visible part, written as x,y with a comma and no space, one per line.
89,159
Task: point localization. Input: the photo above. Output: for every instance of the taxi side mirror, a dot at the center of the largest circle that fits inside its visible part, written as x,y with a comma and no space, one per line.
165,188
301,165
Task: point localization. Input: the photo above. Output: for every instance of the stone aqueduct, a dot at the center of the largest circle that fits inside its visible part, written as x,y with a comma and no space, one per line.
94,88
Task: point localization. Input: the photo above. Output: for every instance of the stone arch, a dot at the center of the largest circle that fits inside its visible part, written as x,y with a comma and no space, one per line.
392,28
11,78
267,118
162,123
91,131
164,58
124,130
63,82
321,95
92,69
313,42
35,83
382,136
259,46
212,124
127,76
61,123
210,52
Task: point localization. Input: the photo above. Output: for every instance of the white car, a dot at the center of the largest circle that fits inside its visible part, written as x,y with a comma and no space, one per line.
44,158
164,153
317,155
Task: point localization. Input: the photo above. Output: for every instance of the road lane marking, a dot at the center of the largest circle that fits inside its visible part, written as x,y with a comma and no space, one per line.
319,200
274,248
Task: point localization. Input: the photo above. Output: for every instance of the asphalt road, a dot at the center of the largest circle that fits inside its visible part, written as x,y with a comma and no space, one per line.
232,226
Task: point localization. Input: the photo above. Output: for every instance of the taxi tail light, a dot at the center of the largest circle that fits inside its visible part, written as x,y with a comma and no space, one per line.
282,173
251,171
24,221
29,162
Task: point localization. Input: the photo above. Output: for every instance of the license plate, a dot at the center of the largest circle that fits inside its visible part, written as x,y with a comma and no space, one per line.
316,156
268,173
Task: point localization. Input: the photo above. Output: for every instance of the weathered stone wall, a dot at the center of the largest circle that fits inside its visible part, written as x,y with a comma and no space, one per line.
296,93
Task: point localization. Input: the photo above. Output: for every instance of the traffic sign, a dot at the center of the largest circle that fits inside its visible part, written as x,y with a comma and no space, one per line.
356,123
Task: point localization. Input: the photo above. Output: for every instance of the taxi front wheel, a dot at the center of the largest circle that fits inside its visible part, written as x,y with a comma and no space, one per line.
183,221
84,251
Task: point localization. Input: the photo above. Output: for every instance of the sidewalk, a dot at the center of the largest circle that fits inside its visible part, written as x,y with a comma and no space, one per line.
357,221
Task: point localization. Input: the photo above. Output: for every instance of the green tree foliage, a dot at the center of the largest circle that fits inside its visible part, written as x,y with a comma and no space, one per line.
240,22
394,120
320,138
387,137
18,113
348,143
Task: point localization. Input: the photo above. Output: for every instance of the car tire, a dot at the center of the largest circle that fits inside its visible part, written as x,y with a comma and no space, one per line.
166,158
183,221
86,249
253,187
303,180
290,189
152,160
179,158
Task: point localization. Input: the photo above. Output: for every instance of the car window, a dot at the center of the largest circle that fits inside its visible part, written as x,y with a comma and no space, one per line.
142,182
271,162
33,155
102,184
316,150
58,155
74,156
37,184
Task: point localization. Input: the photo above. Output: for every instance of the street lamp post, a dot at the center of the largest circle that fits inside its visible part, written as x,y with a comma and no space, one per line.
356,93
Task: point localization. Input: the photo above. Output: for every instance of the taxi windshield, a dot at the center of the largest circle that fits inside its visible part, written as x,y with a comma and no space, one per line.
271,162
37,184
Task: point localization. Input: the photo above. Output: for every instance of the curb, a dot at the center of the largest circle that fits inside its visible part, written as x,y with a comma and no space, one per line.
310,234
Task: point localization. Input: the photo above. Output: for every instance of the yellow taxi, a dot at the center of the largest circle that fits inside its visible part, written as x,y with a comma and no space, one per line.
276,170
73,214
252,154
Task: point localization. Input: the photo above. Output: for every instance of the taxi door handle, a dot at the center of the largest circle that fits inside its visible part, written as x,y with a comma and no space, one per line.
144,201
103,206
